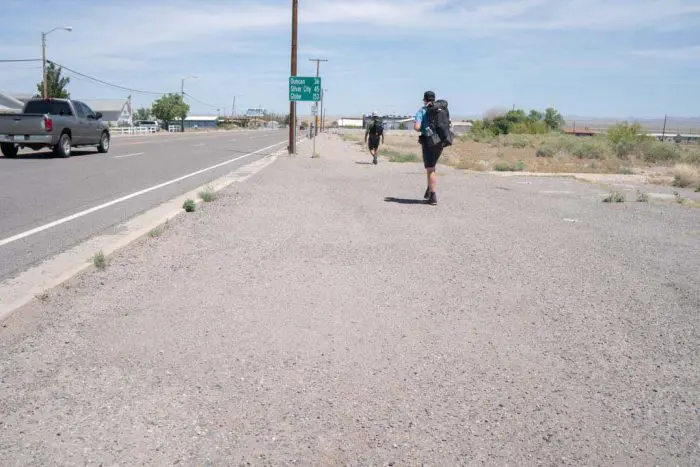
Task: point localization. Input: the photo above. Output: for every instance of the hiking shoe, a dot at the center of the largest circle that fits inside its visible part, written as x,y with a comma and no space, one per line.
427,193
374,160
432,199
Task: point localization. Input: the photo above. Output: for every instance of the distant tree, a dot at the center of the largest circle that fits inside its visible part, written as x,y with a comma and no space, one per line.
56,83
678,138
553,119
170,107
535,115
142,113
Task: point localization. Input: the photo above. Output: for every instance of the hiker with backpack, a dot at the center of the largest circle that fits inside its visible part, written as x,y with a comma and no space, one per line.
433,123
375,131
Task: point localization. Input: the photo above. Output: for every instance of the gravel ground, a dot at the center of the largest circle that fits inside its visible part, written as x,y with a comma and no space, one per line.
302,319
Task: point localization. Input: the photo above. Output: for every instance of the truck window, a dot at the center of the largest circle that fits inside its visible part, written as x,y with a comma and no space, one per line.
48,107
80,109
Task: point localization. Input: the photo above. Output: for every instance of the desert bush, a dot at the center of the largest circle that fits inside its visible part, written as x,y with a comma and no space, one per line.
517,141
615,197
587,148
691,156
624,148
685,175
656,151
509,167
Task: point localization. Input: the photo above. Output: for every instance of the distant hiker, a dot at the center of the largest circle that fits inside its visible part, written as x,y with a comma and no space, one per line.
433,123
375,131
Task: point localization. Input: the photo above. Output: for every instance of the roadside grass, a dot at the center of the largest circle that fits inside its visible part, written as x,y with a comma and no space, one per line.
556,153
398,156
155,232
351,138
615,197
207,194
509,166
642,197
99,261
189,205
43,296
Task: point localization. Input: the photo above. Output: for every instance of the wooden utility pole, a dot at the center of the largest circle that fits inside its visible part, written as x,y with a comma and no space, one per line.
292,104
663,132
318,69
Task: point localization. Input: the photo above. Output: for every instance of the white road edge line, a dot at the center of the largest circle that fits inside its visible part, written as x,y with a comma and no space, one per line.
55,223
199,145
130,155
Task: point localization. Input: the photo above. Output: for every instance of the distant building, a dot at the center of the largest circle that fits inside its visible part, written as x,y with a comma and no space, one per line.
350,122
461,127
671,137
391,122
201,121
580,132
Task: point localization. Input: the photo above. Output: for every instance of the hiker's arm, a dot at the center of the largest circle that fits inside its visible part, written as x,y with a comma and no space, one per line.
418,121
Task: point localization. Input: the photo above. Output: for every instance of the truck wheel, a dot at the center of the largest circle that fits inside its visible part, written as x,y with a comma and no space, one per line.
9,149
63,148
103,147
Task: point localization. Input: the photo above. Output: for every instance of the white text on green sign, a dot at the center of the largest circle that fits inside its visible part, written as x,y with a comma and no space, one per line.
303,88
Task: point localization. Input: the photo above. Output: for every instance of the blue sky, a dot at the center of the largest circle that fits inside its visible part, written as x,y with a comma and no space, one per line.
605,58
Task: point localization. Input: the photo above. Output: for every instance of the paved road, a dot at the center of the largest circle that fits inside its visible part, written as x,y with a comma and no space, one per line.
320,314
37,189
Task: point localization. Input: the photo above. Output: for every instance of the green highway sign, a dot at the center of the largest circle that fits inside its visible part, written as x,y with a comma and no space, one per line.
304,88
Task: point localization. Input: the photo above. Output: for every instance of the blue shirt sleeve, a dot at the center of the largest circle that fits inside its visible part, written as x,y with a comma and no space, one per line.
420,116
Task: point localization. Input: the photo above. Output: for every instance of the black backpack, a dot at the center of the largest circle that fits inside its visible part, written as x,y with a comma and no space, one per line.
377,127
439,122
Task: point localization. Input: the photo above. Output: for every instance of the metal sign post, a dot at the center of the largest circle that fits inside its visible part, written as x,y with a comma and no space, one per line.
314,112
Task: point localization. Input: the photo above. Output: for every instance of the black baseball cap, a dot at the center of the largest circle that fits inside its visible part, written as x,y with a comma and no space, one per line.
429,96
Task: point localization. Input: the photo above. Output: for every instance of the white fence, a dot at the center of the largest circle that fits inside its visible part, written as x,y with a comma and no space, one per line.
132,130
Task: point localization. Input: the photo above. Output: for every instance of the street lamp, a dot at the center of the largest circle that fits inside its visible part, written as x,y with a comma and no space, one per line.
182,92
43,55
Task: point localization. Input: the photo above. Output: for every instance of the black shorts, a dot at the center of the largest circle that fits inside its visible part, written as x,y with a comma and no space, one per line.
373,142
431,154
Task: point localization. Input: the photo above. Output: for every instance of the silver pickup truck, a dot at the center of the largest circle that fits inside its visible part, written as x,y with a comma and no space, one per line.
59,124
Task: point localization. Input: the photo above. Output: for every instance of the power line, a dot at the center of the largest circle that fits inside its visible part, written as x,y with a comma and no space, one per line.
21,60
116,86
204,103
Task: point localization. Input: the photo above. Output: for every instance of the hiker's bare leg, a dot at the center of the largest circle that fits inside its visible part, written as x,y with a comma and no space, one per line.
432,179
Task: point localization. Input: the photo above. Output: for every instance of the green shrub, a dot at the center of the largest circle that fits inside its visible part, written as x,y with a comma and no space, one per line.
398,156
508,167
189,205
587,148
623,149
545,151
656,151
517,141
615,197
625,132
99,260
